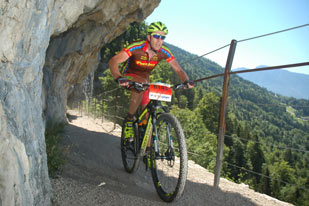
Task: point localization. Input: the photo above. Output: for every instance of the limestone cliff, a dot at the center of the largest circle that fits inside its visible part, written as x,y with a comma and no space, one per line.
47,47
73,54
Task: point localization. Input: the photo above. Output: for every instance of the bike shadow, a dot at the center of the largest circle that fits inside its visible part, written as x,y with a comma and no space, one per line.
94,163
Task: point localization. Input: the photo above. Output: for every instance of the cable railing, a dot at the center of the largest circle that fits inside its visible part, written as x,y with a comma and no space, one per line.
265,176
225,89
271,144
191,153
226,75
243,40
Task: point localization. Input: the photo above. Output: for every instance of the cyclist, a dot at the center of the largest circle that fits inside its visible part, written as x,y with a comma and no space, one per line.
142,57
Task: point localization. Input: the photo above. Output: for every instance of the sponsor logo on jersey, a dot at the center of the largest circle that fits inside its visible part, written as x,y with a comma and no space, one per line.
145,63
144,58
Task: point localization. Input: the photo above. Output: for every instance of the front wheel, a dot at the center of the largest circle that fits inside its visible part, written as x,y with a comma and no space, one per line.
169,165
130,150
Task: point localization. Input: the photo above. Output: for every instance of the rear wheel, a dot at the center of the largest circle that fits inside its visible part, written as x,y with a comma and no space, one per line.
170,165
129,151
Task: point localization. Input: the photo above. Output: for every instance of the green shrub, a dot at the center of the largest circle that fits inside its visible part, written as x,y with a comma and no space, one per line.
55,153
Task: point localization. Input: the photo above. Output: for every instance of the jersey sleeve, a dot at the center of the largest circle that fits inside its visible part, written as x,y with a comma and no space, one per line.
127,50
168,54
135,45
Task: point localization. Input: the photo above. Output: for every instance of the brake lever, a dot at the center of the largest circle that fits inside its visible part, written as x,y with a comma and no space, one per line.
179,86
139,87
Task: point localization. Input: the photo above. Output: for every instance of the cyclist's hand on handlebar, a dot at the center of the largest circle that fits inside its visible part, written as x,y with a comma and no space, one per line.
188,84
122,81
185,85
138,87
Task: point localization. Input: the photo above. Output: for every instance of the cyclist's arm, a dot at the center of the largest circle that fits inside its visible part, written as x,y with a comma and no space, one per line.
180,72
115,61
182,75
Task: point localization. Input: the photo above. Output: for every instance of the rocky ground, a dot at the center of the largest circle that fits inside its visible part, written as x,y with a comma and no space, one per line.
94,175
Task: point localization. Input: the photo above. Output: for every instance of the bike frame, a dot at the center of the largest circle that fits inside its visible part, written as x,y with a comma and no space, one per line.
151,128
160,126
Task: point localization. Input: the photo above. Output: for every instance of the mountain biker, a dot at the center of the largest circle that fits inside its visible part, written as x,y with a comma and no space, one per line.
142,57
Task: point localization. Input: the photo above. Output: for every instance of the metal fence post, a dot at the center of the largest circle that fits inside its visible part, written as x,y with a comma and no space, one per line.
95,107
225,94
116,105
102,109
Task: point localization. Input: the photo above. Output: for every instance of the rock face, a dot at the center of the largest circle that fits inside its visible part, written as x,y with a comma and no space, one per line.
75,53
25,29
46,48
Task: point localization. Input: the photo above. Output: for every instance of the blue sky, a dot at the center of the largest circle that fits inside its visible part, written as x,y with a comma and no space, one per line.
201,26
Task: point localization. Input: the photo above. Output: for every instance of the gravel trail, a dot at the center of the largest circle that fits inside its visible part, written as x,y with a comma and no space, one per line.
93,175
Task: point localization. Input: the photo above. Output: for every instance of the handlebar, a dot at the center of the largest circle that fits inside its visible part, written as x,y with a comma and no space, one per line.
144,86
138,86
179,86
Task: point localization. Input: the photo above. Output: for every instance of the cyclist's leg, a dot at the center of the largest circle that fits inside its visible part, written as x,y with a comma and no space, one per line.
135,100
136,97
128,122
144,102
145,99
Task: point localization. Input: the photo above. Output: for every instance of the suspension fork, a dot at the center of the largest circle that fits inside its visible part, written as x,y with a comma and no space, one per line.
155,134
155,138
170,137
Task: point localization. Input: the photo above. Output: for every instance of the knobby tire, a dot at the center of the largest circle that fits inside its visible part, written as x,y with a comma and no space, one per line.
169,177
130,151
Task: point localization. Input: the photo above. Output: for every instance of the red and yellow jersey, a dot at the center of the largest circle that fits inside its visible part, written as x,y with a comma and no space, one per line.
139,63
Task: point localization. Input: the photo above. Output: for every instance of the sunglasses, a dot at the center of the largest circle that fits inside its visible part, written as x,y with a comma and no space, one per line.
157,36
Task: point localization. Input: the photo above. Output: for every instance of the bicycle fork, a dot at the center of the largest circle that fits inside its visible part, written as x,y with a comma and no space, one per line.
151,130
169,154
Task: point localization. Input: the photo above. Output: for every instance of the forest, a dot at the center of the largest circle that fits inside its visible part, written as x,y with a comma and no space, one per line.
267,135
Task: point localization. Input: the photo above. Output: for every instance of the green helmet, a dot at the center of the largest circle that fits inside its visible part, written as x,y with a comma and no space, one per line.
157,26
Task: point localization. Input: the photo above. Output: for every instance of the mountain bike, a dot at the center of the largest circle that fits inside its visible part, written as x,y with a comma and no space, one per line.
167,159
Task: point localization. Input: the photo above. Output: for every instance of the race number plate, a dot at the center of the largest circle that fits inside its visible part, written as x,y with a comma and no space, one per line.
161,92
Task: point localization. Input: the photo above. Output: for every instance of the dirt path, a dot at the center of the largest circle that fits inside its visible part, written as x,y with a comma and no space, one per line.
94,175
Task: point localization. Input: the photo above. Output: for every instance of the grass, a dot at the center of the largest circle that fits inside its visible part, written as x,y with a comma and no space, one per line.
292,111
55,153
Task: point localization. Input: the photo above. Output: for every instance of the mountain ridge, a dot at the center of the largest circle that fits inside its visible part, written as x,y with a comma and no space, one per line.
283,82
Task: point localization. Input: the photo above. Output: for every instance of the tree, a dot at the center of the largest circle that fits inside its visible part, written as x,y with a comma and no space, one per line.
280,173
209,107
236,157
182,101
257,158
201,143
265,184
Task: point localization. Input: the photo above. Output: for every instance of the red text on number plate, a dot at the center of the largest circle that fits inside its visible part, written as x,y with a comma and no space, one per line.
161,92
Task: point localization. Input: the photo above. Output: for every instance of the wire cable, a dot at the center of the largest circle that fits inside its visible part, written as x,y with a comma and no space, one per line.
243,40
193,59
272,33
273,145
262,175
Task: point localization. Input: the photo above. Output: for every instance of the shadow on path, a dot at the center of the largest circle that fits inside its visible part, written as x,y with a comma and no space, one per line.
95,159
